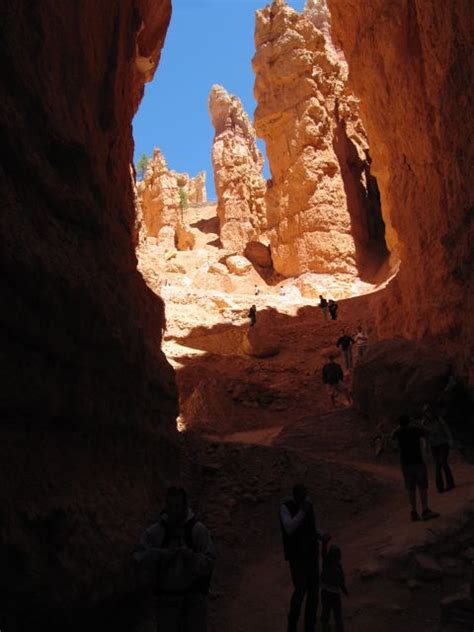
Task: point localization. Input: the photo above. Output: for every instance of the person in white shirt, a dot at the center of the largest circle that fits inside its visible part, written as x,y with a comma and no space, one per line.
361,340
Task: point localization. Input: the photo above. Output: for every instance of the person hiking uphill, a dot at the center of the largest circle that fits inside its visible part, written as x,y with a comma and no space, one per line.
180,555
301,547
252,315
346,342
333,377
323,304
333,307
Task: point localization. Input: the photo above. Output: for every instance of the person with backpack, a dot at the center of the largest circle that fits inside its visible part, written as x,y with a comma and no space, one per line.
179,554
323,304
345,342
333,307
333,377
301,547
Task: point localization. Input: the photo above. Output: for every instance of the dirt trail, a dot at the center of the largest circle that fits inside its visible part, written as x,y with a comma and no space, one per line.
256,426
377,538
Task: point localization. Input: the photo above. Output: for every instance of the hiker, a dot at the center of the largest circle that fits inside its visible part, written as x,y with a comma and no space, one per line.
332,585
346,342
361,341
440,441
256,290
252,315
332,307
179,552
333,377
414,470
300,543
323,304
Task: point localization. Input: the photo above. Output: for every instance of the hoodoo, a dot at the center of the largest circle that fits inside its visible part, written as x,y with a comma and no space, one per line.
323,215
238,163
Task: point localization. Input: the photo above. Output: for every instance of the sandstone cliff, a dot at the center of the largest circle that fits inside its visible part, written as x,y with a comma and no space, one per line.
238,163
321,214
410,66
85,385
162,196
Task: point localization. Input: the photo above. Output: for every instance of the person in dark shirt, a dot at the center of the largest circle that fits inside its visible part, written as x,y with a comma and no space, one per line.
323,304
346,342
333,377
252,315
301,547
333,307
332,585
414,470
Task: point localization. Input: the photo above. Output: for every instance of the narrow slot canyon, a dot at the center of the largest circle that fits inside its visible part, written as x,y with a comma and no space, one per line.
131,362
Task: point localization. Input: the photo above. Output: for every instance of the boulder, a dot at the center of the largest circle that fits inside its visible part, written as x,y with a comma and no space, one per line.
398,376
238,265
218,268
259,254
258,343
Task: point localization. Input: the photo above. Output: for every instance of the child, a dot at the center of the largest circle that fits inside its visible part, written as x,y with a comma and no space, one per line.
332,584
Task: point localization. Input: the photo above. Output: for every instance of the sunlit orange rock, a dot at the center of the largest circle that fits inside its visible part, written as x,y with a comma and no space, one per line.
162,196
238,163
317,201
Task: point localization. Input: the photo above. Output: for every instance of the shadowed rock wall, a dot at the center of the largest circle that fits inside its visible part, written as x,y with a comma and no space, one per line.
411,64
87,392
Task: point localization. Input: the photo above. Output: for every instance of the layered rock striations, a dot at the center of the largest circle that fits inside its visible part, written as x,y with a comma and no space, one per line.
319,207
238,164
89,400
410,65
162,197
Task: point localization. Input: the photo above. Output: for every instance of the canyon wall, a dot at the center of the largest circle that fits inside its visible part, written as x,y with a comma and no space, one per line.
238,164
319,206
411,64
89,400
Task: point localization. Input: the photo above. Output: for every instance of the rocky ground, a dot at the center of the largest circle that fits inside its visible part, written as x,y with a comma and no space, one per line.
253,426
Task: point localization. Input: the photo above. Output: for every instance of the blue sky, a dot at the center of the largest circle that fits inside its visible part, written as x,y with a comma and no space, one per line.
208,41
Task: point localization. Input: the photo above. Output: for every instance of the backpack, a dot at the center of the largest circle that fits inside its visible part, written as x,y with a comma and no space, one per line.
200,584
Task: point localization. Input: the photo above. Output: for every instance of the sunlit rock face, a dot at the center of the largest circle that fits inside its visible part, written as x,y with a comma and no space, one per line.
158,193
163,194
410,64
161,198
238,164
87,393
195,188
319,209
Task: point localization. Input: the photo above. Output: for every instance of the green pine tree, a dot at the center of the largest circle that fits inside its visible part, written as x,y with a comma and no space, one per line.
141,165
